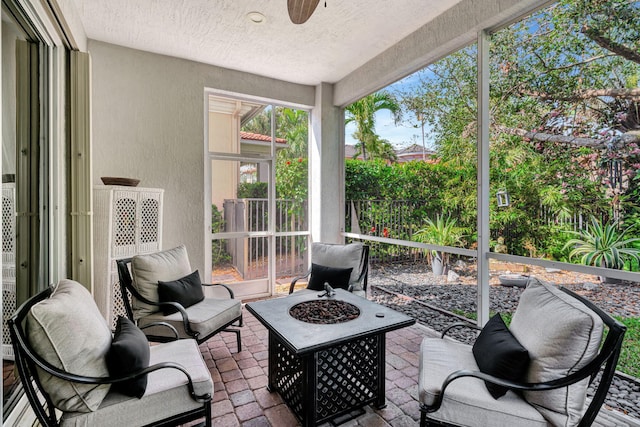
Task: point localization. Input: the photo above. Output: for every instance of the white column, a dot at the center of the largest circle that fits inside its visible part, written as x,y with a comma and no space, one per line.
81,189
326,168
483,177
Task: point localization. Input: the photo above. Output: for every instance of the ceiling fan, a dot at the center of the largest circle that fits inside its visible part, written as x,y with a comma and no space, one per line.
301,10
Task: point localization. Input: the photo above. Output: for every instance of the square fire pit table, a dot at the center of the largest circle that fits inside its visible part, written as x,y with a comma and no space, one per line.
324,371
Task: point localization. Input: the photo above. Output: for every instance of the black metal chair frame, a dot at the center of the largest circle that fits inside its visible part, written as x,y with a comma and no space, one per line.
606,360
362,278
128,291
27,360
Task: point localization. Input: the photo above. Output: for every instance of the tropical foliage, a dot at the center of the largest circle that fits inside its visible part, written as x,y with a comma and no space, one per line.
363,114
604,245
565,119
442,231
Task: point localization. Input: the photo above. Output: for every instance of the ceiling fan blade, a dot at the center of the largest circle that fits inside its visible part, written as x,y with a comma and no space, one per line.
301,10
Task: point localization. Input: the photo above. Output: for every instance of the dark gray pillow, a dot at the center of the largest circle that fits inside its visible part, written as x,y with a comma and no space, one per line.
498,353
129,353
187,291
336,277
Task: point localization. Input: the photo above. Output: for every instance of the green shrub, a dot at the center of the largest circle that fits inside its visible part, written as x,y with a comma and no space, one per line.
252,190
219,254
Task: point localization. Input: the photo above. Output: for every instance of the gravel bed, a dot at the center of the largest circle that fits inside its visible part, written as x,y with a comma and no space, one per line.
418,289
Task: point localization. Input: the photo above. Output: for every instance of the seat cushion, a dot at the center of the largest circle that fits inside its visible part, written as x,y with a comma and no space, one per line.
497,352
205,317
68,331
562,335
335,277
148,270
466,400
339,256
164,386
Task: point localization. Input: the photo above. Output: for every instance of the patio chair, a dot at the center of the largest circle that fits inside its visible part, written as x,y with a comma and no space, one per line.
161,287
534,373
342,266
75,374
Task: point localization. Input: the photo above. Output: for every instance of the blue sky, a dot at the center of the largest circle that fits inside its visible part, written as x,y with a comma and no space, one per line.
400,135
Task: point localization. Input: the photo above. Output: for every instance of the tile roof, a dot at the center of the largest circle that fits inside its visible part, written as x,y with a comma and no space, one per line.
259,137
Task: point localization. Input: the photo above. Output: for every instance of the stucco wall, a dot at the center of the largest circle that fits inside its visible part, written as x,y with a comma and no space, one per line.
148,123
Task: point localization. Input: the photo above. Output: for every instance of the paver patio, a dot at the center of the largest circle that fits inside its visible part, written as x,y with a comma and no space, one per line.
242,399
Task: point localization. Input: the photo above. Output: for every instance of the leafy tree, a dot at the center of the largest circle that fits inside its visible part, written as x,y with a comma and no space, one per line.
291,125
362,113
564,113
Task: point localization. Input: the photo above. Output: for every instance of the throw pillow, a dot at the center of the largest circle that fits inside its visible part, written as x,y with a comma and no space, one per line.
498,353
336,277
147,269
339,256
562,335
129,353
68,331
186,291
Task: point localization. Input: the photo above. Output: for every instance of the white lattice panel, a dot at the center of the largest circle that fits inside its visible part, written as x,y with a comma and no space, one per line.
149,217
127,222
124,217
8,308
8,264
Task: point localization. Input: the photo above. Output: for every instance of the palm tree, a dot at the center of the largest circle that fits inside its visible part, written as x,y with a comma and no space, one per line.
362,113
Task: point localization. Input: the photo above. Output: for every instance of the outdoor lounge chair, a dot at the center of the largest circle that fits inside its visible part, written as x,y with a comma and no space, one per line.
342,266
75,374
161,287
534,373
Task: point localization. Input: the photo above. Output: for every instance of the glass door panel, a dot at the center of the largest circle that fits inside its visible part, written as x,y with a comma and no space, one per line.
291,208
259,178
240,226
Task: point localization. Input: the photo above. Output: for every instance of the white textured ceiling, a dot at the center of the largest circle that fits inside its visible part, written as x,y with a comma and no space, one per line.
336,40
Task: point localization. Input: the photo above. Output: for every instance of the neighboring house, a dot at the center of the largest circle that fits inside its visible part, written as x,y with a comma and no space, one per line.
256,143
414,152
350,152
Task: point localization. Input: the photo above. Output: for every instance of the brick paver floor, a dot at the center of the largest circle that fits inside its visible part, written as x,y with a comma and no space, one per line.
240,380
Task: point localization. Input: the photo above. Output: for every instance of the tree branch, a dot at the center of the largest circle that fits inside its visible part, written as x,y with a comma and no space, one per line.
622,93
627,138
610,45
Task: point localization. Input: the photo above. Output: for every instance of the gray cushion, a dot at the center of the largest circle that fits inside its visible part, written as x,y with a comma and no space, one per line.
467,401
339,256
147,270
164,386
69,332
204,317
561,335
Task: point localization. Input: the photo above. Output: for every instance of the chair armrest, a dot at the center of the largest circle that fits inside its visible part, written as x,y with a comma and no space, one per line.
49,368
174,330
220,285
460,325
177,306
579,375
295,280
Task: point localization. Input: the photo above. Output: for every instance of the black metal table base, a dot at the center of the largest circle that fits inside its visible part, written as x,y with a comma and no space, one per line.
330,382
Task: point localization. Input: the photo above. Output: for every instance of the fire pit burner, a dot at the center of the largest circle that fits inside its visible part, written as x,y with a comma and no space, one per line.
324,311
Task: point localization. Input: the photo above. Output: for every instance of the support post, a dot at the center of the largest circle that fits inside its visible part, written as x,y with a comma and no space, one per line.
483,177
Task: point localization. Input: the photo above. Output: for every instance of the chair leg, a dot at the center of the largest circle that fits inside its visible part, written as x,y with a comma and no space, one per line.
207,414
237,332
